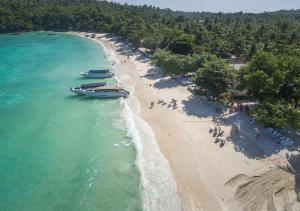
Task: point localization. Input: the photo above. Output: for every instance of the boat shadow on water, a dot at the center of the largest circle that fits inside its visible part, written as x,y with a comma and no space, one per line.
87,98
86,79
92,80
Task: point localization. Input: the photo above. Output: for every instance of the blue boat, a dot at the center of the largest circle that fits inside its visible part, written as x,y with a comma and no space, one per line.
81,88
99,71
103,73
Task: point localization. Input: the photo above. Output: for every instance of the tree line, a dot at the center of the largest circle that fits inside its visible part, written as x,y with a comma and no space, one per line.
193,43
222,34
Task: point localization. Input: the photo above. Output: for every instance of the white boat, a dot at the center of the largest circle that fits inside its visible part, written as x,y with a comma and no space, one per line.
106,92
79,89
97,74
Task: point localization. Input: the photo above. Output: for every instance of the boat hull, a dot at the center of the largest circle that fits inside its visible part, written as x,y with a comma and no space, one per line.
105,94
77,91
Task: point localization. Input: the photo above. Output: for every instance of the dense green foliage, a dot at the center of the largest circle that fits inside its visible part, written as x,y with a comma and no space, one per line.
179,64
274,81
190,42
216,76
212,75
277,113
276,77
239,34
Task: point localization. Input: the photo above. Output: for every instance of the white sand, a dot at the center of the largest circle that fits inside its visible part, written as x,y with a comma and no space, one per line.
208,177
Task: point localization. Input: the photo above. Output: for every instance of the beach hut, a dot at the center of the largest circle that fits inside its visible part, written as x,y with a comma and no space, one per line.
236,62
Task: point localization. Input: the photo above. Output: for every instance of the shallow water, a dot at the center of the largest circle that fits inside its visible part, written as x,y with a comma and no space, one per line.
59,151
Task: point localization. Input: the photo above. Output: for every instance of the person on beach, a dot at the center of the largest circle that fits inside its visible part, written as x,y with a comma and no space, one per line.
221,133
257,136
151,104
216,129
241,107
247,109
215,132
237,129
222,142
174,102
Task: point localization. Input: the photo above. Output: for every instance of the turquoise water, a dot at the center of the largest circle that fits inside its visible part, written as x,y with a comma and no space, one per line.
59,151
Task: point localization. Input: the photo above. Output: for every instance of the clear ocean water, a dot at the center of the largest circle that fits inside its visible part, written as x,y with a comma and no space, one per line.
59,151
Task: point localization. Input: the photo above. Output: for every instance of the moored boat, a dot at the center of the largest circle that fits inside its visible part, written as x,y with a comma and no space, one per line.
79,89
106,92
105,73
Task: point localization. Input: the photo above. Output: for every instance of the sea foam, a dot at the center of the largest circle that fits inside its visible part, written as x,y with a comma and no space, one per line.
157,182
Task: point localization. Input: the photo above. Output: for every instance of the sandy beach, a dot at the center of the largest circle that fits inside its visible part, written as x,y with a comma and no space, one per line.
241,174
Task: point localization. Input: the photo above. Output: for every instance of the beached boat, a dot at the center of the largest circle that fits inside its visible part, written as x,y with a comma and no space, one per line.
106,92
79,89
97,74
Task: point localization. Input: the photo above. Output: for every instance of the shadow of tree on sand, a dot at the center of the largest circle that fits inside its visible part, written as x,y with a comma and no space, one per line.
166,83
153,74
244,141
294,168
125,51
142,58
194,106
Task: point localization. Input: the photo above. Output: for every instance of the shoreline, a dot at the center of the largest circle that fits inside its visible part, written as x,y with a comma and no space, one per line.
202,170
158,186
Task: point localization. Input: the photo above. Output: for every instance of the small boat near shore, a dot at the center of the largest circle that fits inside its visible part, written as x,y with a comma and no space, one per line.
105,73
106,92
79,89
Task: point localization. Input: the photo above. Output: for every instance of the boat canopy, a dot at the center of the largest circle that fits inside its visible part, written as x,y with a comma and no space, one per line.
92,85
99,71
